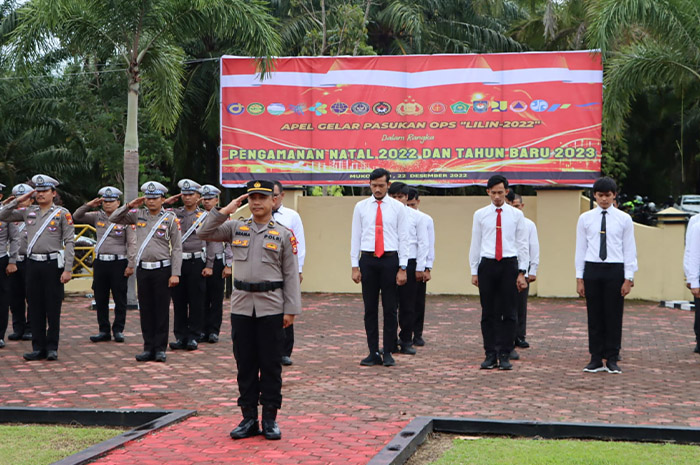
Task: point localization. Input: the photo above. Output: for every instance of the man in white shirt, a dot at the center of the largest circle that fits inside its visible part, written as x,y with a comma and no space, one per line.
379,258
417,253
498,258
516,201
691,266
292,221
414,202
606,259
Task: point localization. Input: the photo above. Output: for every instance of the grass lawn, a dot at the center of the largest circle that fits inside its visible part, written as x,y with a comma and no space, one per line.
505,451
44,444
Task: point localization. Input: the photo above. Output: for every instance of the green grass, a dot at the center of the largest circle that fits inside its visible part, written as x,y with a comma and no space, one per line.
504,451
41,444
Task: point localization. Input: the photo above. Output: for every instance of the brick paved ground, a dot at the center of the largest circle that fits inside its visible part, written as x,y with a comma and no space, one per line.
338,412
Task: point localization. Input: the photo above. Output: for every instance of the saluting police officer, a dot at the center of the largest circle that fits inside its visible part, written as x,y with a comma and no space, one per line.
21,329
49,230
115,253
158,269
188,296
217,269
9,246
265,300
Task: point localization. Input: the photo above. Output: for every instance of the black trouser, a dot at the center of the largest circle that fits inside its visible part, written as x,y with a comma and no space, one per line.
154,307
521,328
188,301
696,326
407,304
4,295
498,293
214,299
288,341
421,288
379,275
44,298
257,345
109,276
18,294
604,302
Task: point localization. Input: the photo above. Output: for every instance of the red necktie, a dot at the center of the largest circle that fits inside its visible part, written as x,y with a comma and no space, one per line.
499,236
379,232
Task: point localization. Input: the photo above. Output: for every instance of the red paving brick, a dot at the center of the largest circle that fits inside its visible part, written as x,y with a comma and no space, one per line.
337,412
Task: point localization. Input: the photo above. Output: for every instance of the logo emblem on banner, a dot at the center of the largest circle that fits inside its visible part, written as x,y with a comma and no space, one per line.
539,105
276,109
360,108
256,109
437,108
339,108
319,109
297,109
381,108
499,106
518,106
409,108
235,109
460,108
481,106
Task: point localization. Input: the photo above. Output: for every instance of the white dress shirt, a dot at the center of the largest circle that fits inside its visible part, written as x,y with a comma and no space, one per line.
393,221
692,222
292,221
514,236
620,245
691,259
417,238
534,247
430,258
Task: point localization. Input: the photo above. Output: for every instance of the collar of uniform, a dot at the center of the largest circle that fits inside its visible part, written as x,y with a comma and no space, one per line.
383,199
494,207
609,209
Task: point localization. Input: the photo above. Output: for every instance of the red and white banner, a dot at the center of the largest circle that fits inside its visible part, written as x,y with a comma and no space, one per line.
441,120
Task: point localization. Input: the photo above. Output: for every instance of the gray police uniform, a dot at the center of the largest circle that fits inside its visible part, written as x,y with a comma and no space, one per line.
18,279
155,266
48,233
116,252
266,281
9,247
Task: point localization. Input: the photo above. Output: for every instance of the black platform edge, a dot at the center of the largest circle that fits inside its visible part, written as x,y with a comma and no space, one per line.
142,422
404,444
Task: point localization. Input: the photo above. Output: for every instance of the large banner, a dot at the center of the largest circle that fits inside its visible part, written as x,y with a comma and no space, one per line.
440,120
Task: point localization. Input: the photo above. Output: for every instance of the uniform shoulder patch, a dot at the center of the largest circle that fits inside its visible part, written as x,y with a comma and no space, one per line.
133,210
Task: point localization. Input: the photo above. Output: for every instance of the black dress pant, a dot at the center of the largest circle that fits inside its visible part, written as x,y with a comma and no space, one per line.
407,304
44,297
421,289
602,283
696,326
498,293
109,276
18,295
188,301
4,296
214,299
154,307
379,275
288,341
521,328
257,347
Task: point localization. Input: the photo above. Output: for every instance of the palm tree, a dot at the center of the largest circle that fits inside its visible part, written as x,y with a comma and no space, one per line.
145,36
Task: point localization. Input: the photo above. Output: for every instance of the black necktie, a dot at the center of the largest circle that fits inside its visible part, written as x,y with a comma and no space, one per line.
603,245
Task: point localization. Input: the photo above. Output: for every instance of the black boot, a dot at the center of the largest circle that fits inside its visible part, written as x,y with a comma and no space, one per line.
269,425
249,426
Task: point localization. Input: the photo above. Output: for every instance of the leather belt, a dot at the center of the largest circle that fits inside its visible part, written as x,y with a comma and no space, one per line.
154,265
191,255
43,257
3,255
258,287
110,257
386,254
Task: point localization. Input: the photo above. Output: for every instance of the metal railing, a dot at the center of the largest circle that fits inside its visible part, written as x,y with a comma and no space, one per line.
84,255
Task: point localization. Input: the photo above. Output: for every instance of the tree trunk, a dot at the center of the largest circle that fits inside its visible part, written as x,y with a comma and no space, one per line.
131,164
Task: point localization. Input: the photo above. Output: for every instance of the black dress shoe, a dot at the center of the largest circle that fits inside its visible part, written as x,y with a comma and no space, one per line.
101,337
504,362
522,343
192,345
213,338
407,349
145,356
160,357
14,337
371,360
246,429
389,360
271,430
118,337
178,345
52,355
489,362
2,343
286,361
27,336
35,355
696,350
201,338
514,355
418,341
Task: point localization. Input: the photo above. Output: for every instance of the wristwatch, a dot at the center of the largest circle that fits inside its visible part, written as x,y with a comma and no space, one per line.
522,271
403,267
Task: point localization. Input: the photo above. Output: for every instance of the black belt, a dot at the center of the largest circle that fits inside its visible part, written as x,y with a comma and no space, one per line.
385,254
258,287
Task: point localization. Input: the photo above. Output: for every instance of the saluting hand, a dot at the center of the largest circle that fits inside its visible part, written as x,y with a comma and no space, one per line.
171,200
137,202
233,205
96,202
